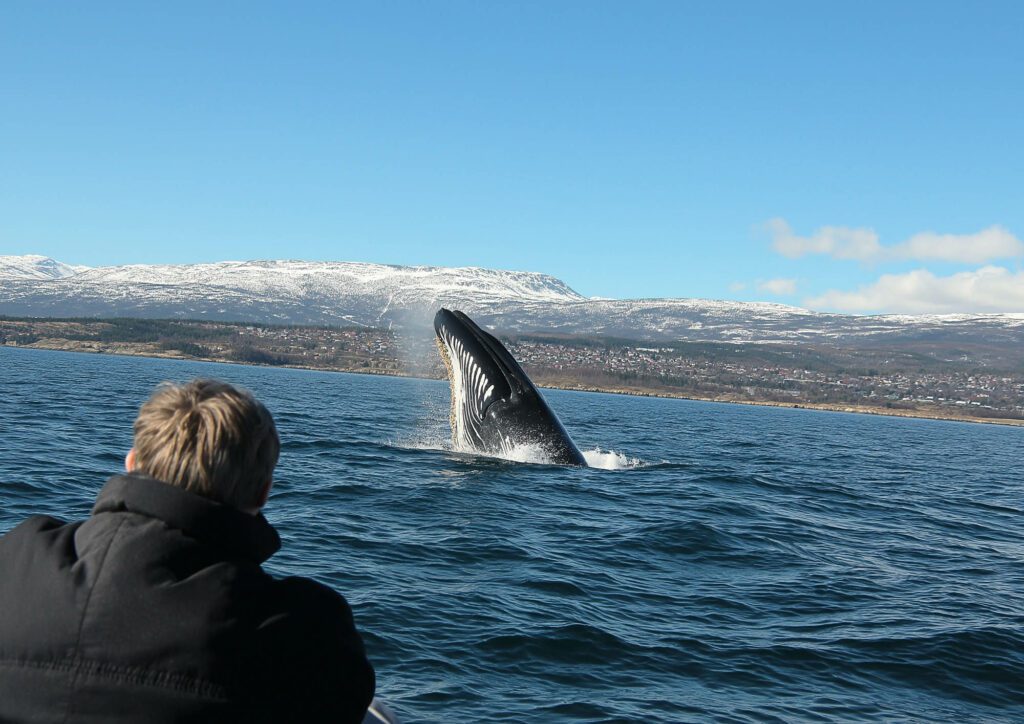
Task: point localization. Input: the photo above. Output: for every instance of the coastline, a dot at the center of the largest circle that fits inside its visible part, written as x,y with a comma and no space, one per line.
823,407
128,349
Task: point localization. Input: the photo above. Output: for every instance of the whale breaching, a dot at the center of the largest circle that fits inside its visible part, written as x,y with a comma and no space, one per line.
495,406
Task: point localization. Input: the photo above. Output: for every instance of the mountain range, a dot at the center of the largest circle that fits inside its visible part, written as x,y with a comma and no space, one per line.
377,295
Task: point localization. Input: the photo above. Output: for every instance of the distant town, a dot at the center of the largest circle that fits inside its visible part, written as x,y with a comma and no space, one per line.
887,380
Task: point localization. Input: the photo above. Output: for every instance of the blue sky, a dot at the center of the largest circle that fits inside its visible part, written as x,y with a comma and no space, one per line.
792,152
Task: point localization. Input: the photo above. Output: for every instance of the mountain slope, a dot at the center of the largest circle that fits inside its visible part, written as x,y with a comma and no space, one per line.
351,293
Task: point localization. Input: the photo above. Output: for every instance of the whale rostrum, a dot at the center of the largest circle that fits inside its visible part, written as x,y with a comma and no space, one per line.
495,407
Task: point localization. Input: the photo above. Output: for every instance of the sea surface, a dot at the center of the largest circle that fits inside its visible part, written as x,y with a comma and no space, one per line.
726,563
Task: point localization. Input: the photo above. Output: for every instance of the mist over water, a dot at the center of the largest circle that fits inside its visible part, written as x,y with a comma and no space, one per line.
716,562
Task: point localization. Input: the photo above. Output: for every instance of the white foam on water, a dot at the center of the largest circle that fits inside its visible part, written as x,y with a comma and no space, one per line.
525,453
518,453
530,453
610,460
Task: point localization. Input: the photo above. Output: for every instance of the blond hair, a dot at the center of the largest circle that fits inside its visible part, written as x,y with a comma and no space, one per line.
210,438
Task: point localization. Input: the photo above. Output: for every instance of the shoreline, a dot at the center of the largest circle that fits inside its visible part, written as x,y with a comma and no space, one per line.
130,350
819,406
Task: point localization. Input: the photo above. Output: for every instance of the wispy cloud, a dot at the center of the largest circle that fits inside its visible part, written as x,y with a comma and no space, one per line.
862,244
737,286
995,242
778,287
988,289
838,241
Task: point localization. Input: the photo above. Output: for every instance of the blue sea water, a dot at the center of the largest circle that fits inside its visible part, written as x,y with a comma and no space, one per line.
730,563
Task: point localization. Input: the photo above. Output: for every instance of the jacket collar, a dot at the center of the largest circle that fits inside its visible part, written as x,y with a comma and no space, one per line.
247,536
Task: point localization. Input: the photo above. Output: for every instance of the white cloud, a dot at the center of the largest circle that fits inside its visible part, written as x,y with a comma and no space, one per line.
995,242
737,287
842,242
838,241
779,287
988,289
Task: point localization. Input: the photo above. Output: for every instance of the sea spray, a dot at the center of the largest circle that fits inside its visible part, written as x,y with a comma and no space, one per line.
610,460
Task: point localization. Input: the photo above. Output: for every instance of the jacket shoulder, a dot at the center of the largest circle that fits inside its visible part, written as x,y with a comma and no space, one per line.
319,654
312,611
39,532
35,557
33,524
313,597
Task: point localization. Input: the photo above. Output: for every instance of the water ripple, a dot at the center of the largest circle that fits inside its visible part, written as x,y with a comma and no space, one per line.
741,565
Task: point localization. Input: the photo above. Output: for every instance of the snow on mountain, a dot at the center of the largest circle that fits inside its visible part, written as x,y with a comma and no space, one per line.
297,292
298,279
35,267
351,293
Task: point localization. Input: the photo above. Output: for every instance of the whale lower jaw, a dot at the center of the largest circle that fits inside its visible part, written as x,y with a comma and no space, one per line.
456,415
471,391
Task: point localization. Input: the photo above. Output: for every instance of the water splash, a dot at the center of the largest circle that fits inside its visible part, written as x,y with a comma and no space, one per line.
610,460
534,453
529,453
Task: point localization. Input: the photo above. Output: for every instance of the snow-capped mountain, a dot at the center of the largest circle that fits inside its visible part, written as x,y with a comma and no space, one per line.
351,293
267,291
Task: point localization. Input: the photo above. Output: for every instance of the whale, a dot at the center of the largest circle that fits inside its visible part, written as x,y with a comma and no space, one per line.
495,407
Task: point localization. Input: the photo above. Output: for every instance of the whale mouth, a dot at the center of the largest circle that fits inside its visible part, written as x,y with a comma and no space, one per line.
495,408
476,377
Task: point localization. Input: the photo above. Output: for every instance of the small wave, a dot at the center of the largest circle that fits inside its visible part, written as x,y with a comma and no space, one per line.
555,586
425,442
314,444
688,538
573,643
679,538
576,709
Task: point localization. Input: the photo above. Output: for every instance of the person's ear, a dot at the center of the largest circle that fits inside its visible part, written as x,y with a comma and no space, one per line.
129,461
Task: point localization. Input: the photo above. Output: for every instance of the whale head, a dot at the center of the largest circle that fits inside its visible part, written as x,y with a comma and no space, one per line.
495,406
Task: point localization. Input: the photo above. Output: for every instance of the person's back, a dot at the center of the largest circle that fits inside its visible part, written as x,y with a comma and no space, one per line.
156,608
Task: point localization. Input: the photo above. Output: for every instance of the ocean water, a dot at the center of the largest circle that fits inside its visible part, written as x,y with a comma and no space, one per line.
727,563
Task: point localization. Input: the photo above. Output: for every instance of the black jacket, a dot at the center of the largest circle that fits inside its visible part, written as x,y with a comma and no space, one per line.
156,609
